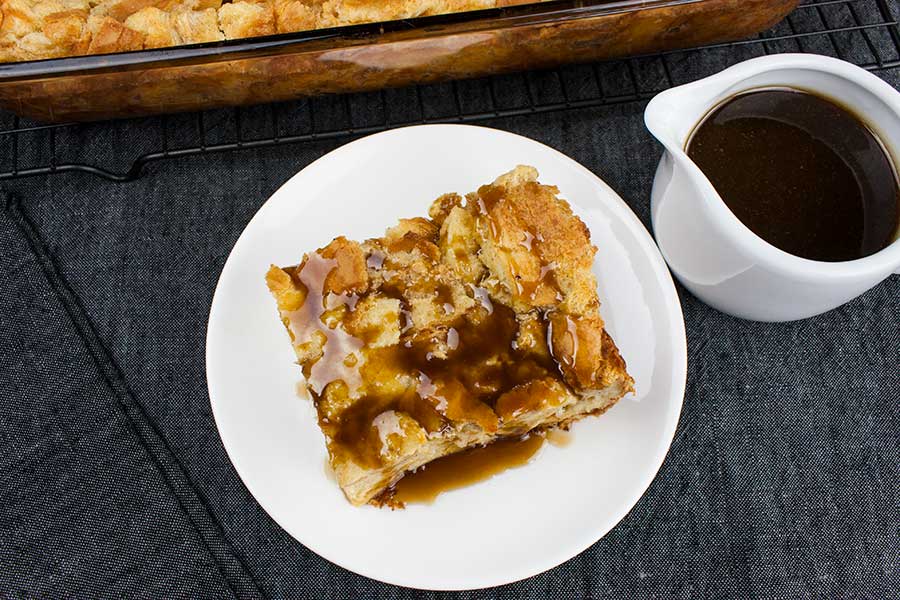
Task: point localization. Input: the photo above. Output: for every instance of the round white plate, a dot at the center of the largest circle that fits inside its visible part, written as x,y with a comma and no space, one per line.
517,524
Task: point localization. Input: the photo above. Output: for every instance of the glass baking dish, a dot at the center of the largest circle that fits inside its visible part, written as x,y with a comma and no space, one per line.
371,56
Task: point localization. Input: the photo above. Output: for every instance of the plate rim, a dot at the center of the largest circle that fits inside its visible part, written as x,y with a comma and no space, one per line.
678,376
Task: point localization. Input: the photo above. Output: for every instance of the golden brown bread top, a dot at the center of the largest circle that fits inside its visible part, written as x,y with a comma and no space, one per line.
480,321
37,29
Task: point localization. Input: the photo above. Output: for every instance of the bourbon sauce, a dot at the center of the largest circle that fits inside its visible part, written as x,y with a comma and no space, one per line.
801,172
483,361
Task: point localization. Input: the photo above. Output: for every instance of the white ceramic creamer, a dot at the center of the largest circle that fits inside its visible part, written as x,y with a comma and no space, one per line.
707,247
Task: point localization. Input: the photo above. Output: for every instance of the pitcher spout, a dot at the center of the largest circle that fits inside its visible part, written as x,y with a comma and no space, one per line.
672,115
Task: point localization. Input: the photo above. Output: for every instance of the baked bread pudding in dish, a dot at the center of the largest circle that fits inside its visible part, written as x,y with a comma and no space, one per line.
477,324
37,29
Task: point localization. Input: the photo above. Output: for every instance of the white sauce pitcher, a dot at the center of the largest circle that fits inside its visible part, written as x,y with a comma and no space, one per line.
707,247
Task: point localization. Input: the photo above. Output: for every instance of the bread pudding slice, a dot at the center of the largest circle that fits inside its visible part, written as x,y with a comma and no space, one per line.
479,323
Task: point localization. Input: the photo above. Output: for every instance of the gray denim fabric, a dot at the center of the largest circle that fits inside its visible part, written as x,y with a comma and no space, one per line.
782,481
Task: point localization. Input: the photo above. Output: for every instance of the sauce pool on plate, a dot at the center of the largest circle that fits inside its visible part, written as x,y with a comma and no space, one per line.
465,468
472,466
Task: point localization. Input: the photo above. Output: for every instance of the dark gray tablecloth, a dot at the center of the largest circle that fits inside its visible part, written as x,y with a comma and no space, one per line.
782,481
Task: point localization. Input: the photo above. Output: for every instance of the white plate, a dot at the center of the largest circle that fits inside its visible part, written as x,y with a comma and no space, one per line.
517,524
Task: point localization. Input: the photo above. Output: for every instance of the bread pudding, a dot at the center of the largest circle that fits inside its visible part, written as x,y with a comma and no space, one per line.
37,29
476,324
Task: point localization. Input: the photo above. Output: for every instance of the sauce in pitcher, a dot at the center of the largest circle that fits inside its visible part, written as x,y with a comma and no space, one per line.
800,171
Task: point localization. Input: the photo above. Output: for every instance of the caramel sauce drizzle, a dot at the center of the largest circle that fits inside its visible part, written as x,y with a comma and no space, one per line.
320,315
489,196
457,374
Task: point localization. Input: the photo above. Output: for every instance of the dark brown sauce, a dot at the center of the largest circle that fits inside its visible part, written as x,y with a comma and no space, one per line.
465,468
457,374
481,365
801,172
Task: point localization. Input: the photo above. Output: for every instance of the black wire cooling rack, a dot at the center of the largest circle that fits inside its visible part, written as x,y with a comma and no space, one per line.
864,32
